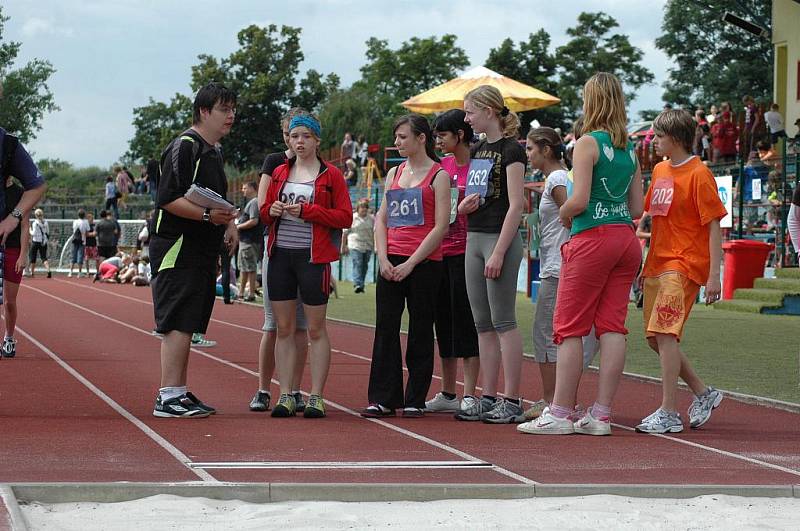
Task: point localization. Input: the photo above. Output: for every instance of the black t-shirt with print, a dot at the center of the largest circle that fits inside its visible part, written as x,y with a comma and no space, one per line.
490,215
272,161
187,160
13,195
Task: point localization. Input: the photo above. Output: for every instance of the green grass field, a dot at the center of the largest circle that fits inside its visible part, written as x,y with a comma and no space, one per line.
749,353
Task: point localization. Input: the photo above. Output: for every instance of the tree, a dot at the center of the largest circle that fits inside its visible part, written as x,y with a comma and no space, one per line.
26,97
156,124
263,74
592,49
714,61
388,78
530,63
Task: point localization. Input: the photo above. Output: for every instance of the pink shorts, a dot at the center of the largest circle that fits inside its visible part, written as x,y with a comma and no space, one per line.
10,274
108,271
90,253
598,267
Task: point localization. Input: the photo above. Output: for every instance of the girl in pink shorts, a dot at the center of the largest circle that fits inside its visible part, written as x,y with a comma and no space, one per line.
599,262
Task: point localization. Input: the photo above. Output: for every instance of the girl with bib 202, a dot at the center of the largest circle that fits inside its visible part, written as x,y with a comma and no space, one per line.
599,262
409,227
493,205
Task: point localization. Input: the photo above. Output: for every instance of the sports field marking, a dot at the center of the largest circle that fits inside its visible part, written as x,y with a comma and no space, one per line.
158,439
408,433
334,465
621,426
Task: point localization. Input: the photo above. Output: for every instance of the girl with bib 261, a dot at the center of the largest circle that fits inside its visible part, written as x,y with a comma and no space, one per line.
409,227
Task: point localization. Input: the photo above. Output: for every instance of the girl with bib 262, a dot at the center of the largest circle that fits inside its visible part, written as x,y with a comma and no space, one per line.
493,205
409,227
599,262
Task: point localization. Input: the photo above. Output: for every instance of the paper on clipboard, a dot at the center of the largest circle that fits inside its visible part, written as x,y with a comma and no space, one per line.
207,198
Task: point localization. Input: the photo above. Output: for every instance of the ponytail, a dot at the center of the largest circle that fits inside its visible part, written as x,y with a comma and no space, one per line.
491,98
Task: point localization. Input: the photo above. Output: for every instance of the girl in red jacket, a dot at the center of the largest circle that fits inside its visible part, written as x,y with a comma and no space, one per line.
306,208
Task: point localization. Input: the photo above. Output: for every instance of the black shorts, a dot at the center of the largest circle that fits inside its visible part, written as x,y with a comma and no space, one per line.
183,299
455,327
290,270
38,248
775,136
107,251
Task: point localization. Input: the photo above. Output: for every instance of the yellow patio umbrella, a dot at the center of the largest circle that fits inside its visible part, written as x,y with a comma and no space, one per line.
450,95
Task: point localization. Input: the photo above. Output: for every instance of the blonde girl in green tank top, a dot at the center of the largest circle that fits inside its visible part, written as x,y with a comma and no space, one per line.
600,260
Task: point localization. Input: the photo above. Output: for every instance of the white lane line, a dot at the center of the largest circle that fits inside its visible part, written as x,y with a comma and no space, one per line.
621,426
158,439
334,465
411,434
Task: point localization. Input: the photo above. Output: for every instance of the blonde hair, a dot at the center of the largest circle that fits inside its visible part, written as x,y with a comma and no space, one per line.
489,97
604,108
39,213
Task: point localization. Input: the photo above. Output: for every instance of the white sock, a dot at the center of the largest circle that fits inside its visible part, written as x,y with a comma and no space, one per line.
168,393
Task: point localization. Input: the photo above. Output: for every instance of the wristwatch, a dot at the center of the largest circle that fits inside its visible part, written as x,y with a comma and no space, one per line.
207,215
17,214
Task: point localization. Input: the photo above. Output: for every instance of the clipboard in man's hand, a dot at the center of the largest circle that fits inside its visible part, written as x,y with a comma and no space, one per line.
207,198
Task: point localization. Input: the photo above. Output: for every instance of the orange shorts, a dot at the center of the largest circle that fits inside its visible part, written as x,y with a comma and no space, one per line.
668,299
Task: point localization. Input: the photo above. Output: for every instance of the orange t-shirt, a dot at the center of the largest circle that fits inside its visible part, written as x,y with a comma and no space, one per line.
682,200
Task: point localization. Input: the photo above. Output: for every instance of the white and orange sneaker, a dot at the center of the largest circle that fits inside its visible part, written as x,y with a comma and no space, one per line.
589,425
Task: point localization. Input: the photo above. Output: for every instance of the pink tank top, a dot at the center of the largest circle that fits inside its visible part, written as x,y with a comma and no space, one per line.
455,242
403,240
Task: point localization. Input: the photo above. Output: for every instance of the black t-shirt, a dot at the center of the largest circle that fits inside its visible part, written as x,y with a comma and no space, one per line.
91,241
186,242
105,232
13,195
272,161
490,215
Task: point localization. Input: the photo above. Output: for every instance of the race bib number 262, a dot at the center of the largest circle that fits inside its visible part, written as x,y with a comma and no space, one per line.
478,176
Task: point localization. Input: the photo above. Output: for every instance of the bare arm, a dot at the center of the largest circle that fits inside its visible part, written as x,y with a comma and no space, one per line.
636,194
584,158
509,231
640,233
713,288
381,234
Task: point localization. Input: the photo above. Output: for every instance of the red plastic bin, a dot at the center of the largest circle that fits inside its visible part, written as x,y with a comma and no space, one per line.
744,262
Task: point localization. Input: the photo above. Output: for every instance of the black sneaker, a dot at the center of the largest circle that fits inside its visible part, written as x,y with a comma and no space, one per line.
178,407
9,348
49,274
300,404
285,407
200,404
260,402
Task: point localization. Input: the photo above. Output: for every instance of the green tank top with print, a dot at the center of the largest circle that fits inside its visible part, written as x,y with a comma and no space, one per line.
611,178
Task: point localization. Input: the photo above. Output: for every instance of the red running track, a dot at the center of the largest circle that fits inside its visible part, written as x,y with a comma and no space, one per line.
76,403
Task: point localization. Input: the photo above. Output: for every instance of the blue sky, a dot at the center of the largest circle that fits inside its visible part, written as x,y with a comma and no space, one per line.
112,55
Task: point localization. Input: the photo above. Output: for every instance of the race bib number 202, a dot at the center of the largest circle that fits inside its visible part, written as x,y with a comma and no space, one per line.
661,198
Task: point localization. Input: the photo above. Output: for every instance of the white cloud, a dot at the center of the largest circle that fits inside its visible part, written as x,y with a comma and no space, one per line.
35,26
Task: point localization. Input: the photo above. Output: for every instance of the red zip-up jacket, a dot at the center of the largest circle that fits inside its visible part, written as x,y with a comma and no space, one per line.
329,211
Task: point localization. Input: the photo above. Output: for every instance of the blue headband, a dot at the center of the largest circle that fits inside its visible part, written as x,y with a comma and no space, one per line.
306,121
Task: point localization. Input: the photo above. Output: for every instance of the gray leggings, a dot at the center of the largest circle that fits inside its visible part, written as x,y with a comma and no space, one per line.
492,301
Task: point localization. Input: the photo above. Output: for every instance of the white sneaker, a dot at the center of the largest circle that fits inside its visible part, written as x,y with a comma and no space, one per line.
467,402
589,425
441,403
70,275
547,424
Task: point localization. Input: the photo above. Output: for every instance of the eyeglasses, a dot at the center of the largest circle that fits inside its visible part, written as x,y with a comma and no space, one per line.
225,109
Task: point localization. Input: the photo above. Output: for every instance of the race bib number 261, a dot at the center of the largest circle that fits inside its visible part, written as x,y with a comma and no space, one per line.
404,207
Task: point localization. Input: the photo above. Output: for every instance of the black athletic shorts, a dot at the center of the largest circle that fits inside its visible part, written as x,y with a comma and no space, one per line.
183,299
455,328
38,248
107,251
290,270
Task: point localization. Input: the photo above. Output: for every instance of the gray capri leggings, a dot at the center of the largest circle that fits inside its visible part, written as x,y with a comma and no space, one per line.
492,300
